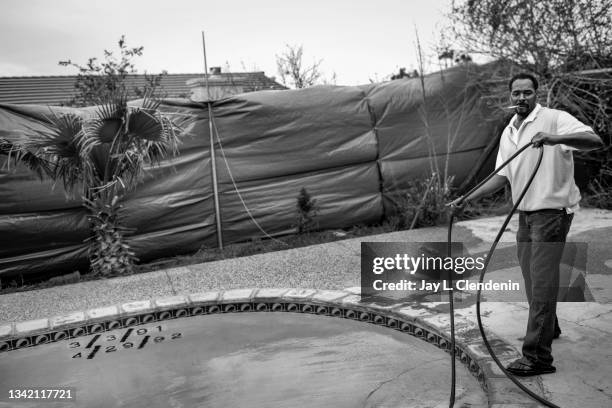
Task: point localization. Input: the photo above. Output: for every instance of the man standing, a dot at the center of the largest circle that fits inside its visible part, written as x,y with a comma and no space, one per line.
546,211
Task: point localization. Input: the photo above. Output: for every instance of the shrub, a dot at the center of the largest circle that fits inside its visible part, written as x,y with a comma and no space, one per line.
307,210
421,204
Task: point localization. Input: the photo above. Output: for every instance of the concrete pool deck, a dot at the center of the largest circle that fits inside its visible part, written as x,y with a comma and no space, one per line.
582,356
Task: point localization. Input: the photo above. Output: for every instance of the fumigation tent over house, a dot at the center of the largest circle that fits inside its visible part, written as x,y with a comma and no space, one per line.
353,148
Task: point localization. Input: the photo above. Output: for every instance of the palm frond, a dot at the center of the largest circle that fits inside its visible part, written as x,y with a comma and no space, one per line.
19,154
64,141
154,152
113,106
154,134
110,119
144,124
147,124
57,144
60,136
150,101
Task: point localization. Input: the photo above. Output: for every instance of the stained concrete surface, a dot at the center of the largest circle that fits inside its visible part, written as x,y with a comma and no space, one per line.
256,360
582,354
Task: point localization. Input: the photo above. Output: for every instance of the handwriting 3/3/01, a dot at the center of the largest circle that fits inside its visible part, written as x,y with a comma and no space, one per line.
135,339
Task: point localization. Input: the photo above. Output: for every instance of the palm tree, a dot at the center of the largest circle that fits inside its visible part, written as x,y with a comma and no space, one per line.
101,158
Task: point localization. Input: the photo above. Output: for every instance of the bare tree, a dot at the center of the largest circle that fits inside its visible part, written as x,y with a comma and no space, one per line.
555,35
567,42
98,81
293,71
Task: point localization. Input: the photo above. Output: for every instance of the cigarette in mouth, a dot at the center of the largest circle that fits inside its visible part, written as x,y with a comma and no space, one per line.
511,107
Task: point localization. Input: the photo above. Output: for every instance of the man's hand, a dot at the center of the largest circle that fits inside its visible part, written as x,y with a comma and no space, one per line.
580,140
457,205
543,138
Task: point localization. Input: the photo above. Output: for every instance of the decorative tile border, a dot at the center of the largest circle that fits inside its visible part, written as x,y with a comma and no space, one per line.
412,319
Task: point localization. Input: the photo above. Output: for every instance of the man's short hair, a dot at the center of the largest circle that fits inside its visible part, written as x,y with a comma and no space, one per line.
523,75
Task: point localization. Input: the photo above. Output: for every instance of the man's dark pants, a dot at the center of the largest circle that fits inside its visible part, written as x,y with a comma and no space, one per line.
540,241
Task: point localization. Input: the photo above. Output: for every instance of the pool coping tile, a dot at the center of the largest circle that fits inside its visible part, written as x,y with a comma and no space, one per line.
299,294
237,295
171,301
102,312
138,306
6,331
269,293
204,297
329,296
68,319
31,326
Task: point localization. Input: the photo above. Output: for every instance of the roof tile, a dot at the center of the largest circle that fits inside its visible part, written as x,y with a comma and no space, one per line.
59,90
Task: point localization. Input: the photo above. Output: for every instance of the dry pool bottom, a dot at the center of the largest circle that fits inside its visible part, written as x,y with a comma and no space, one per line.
210,356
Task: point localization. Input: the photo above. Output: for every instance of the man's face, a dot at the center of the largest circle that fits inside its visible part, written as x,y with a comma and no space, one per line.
524,96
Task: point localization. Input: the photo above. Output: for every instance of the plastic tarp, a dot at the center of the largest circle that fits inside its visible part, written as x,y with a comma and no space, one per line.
350,147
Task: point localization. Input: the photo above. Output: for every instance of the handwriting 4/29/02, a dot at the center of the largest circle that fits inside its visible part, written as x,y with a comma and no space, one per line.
135,339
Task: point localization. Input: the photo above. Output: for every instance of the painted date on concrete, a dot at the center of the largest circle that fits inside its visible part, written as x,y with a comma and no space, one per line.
129,339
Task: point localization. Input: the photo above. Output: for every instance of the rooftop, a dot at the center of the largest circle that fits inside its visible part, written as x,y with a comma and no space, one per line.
59,90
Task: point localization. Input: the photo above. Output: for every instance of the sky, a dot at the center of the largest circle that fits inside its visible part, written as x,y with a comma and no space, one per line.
357,40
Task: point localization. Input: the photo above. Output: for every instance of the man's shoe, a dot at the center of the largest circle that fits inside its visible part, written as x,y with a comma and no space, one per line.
523,368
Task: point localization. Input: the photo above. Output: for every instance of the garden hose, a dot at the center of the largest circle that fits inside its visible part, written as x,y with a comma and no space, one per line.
451,304
484,269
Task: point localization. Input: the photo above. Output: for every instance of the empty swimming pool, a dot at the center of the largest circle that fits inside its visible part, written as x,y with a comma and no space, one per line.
263,359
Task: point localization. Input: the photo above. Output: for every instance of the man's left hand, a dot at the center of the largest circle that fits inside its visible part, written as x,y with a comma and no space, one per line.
543,138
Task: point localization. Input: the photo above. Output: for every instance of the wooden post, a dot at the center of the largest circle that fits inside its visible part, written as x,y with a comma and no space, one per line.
213,162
